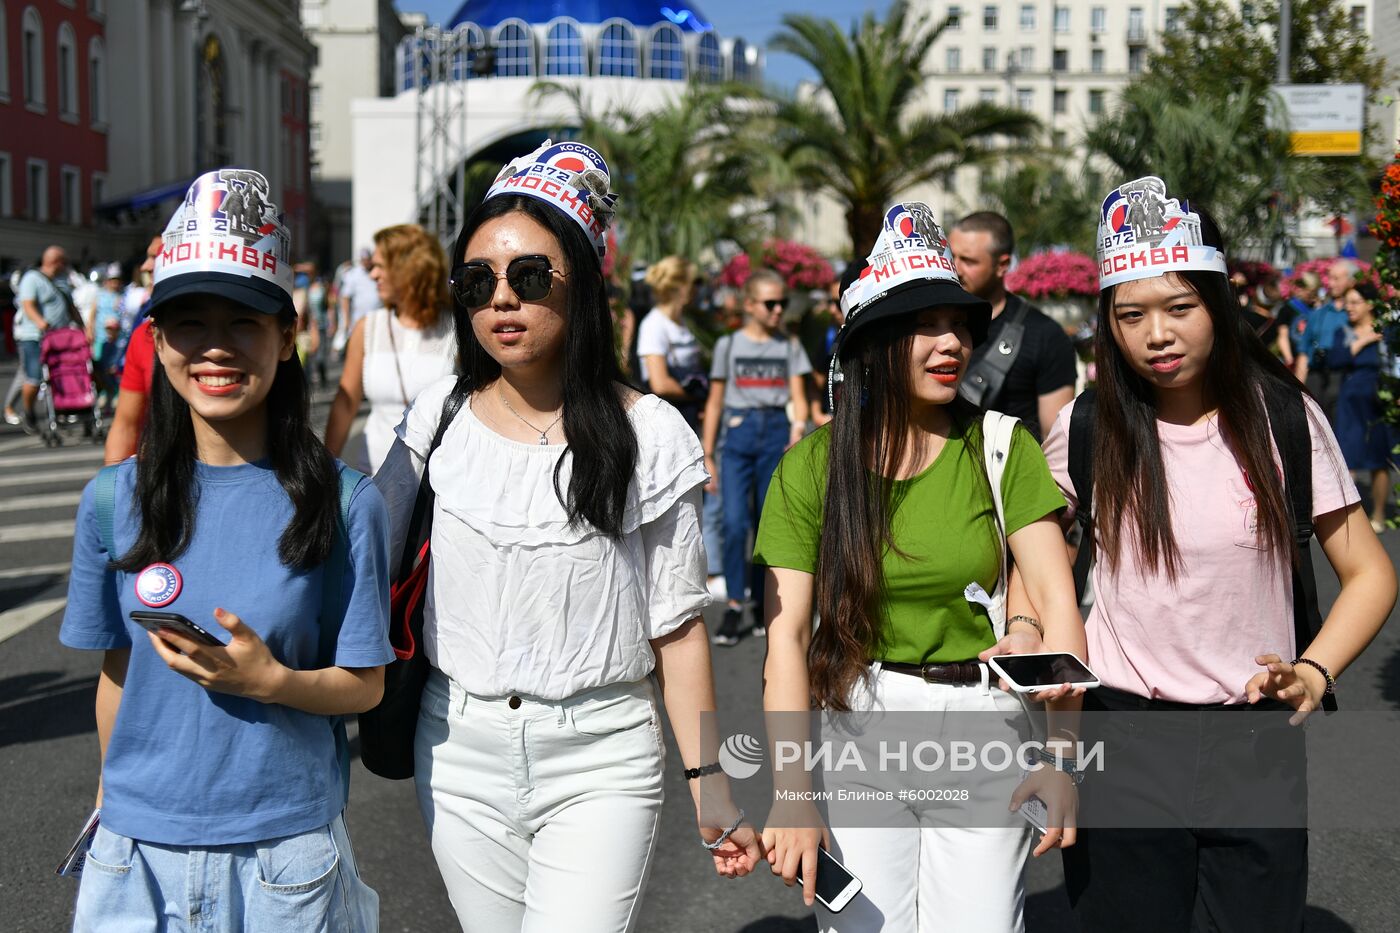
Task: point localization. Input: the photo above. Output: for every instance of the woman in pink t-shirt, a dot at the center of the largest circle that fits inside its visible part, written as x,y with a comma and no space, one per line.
1194,552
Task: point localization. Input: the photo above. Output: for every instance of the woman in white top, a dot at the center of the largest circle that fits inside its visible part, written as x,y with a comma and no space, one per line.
567,580
397,351
671,361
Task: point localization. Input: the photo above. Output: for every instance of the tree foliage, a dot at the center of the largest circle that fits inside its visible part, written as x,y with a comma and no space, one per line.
860,137
1046,205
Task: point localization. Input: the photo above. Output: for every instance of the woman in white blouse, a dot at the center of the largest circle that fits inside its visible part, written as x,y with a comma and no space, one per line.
397,351
568,577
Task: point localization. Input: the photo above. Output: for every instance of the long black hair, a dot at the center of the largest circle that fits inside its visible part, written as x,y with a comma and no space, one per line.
596,426
869,441
1132,506
167,491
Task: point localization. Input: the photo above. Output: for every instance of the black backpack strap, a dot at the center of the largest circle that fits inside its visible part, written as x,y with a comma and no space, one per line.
986,376
1288,422
1081,475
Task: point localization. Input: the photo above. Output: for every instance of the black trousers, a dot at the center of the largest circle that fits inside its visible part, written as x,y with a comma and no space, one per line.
1179,876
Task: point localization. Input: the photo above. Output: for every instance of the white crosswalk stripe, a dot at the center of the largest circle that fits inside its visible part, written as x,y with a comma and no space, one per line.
36,531
21,617
44,500
42,570
47,477
62,455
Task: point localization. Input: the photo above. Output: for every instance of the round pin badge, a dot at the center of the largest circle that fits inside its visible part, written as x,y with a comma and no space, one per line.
158,585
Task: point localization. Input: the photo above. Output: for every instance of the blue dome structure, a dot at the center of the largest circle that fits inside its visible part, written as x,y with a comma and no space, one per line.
639,12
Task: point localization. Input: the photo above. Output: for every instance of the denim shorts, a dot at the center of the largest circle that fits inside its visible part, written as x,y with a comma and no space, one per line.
306,883
29,361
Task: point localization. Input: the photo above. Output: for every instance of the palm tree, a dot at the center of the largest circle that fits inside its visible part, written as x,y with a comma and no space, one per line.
687,176
1047,204
859,137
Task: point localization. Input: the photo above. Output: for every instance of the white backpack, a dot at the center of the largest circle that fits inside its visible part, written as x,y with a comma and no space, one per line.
997,429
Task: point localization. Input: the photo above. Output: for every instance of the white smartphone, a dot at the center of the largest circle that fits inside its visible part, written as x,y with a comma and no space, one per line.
835,885
1036,813
1028,673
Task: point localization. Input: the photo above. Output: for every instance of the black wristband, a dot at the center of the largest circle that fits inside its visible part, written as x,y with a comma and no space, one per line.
693,773
1326,674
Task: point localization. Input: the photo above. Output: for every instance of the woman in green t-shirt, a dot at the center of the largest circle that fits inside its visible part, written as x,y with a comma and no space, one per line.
880,522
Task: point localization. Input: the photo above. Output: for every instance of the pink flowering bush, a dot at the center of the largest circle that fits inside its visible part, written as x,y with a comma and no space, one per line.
1319,267
798,264
1255,272
1055,275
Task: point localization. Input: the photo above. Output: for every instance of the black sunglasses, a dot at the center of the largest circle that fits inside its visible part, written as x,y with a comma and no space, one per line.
530,277
773,304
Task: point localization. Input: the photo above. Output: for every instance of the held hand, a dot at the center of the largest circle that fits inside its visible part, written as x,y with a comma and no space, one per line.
712,486
1020,640
793,850
1061,799
740,853
1301,687
245,667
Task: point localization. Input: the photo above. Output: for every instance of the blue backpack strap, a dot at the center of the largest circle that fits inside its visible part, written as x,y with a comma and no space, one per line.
105,502
333,605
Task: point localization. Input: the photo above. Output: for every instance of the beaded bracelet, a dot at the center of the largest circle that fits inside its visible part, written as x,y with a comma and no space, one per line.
1326,674
693,773
1033,623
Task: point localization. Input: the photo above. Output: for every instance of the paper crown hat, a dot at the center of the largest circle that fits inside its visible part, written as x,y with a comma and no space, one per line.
910,270
227,238
570,177
1143,234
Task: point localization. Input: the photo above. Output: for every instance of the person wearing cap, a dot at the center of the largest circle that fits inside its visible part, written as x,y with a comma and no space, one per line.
224,761
567,569
877,523
1193,576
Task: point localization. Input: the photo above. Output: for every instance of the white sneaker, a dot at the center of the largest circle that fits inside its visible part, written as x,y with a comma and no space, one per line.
717,588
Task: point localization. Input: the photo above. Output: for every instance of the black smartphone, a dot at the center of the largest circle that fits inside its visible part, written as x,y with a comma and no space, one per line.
155,621
835,885
1027,673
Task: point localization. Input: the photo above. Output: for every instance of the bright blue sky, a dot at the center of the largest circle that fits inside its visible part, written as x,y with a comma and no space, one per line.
755,20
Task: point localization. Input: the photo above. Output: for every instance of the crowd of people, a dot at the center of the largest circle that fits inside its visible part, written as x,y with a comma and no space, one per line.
588,473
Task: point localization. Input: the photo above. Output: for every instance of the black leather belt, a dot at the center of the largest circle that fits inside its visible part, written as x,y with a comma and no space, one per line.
955,674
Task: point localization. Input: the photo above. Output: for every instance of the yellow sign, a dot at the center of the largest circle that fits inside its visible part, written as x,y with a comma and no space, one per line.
1326,143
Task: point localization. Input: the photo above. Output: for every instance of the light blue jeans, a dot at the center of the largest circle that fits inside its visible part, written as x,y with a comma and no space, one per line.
306,883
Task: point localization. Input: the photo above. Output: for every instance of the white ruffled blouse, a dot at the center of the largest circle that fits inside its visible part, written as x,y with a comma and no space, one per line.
520,602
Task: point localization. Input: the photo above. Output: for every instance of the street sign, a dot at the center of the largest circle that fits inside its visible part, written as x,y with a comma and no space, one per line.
1324,119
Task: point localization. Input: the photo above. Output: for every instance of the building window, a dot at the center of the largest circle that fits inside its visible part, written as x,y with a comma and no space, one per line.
467,40
31,55
709,64
953,63
989,59
1027,17
950,100
1358,18
1096,61
99,191
954,17
37,190
739,61
515,50
1136,30
1173,19
211,117
1025,99
666,57
97,81
563,49
1058,139
1061,101
97,8
67,72
987,95
1137,59
1025,61
617,51
311,14
7,206
1061,60
1096,101
4,56
70,200
989,18
1062,19
1098,19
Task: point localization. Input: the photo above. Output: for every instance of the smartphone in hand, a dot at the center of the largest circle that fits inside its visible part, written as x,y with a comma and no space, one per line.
835,884
155,621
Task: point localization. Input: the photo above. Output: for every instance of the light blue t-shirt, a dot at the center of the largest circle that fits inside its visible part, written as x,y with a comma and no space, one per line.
50,295
189,766
1323,324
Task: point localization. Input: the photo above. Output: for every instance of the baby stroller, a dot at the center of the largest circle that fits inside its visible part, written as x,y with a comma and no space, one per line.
67,394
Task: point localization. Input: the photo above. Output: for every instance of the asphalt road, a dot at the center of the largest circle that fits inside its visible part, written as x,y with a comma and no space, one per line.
48,762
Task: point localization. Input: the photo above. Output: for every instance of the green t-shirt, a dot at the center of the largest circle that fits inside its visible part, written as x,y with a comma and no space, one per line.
944,522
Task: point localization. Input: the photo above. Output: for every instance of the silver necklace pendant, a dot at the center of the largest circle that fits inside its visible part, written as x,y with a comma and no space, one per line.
544,440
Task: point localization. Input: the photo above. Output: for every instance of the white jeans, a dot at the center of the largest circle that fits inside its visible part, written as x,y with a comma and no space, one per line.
922,879
543,815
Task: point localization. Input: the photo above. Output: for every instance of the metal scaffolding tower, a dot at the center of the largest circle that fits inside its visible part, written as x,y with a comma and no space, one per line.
441,62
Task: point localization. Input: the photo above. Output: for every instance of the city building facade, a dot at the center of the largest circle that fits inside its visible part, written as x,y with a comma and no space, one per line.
54,119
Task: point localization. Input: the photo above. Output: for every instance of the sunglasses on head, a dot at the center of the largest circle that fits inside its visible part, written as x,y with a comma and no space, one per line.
530,277
776,304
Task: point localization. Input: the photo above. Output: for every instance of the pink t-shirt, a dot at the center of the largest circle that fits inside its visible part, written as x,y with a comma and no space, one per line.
1195,640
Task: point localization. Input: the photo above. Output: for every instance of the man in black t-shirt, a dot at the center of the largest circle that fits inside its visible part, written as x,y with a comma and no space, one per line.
1041,379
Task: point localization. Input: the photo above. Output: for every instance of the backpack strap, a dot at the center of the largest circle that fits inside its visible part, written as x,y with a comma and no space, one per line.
997,431
1288,422
104,500
986,376
333,574
1081,476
